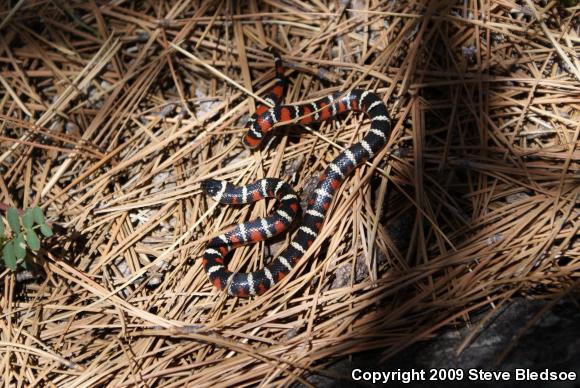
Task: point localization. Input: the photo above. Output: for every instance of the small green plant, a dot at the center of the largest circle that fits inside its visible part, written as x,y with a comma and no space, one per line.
23,233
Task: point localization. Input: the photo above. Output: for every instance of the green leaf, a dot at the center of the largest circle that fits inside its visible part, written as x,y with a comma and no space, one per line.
19,246
13,219
32,239
38,216
2,235
45,230
9,256
28,218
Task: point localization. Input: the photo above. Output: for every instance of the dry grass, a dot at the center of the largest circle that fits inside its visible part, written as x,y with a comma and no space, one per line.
111,115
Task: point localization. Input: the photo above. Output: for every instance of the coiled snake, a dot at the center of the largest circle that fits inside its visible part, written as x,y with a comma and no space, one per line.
257,282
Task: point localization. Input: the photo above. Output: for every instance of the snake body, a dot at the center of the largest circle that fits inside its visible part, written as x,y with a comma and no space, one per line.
258,282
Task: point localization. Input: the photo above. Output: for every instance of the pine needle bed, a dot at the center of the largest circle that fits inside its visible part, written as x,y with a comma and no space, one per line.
112,113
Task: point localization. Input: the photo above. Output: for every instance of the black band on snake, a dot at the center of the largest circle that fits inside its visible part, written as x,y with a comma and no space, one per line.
258,282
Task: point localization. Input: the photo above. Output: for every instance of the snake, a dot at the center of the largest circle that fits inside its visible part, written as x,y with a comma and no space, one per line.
264,119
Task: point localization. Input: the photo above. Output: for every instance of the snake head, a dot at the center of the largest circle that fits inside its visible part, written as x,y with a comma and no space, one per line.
212,187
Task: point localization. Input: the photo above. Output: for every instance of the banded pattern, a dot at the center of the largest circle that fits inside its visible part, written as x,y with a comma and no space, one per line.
257,282
274,97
